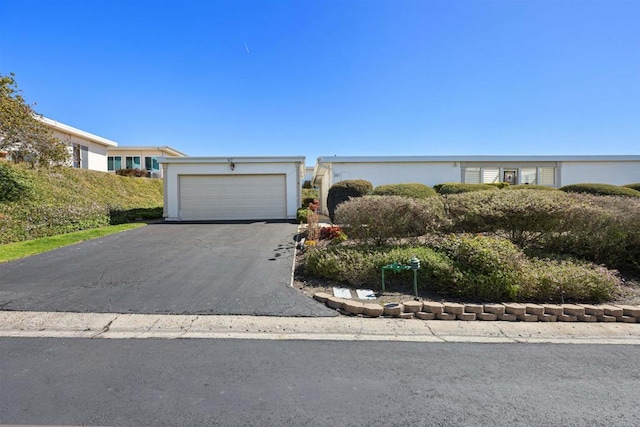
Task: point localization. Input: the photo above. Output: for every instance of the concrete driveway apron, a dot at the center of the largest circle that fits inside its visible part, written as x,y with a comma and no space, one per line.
165,268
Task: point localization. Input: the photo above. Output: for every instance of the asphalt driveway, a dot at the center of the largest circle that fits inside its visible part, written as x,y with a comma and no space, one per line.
165,268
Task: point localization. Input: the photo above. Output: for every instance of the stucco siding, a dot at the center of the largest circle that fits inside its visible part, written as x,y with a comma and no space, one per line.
430,174
616,173
97,153
395,173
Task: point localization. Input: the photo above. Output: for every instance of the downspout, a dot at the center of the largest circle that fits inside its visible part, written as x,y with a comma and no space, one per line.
165,184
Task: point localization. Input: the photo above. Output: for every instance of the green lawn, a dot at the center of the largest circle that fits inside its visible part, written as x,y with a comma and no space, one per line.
12,251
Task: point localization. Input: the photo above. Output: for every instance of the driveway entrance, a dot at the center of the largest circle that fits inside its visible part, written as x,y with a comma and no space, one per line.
165,268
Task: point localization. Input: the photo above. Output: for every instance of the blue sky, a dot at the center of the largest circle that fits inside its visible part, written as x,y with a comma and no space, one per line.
323,78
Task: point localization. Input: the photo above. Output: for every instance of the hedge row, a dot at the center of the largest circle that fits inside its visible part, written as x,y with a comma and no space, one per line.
412,190
468,266
601,190
602,229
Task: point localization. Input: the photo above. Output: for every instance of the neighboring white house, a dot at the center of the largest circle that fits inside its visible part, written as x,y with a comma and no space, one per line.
88,151
553,171
308,174
232,188
146,158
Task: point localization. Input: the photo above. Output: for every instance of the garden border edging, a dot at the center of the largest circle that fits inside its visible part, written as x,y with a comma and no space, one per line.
512,312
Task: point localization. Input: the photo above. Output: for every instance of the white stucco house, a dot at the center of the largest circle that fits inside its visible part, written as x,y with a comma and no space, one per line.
232,188
140,157
554,171
88,151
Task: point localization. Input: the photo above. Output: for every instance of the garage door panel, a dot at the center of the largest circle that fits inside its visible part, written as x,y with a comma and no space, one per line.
232,197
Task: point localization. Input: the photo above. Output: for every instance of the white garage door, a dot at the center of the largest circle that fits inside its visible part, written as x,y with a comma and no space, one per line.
232,197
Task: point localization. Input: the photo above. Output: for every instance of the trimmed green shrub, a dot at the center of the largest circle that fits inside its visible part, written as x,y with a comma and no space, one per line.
309,194
522,216
122,216
361,265
344,190
302,215
455,188
470,267
602,229
531,187
378,219
413,190
635,186
569,280
487,268
13,184
601,190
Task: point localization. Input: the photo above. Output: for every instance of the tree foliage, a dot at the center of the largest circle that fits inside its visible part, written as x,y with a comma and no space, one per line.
22,134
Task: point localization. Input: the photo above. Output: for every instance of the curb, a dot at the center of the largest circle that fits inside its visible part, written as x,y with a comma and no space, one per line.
341,328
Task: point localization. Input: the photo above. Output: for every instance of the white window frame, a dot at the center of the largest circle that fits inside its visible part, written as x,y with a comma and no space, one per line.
479,169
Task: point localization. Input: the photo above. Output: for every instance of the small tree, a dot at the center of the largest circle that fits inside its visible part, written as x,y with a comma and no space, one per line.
22,134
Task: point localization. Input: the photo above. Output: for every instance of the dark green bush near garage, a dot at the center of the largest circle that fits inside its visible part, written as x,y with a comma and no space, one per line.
342,191
601,190
412,190
122,216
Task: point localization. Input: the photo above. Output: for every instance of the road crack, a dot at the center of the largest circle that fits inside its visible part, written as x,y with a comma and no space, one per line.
105,328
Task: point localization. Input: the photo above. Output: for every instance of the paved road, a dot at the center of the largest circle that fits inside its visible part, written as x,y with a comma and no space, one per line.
165,268
315,383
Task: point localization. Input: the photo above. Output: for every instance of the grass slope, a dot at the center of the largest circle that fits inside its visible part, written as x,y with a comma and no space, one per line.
12,251
38,202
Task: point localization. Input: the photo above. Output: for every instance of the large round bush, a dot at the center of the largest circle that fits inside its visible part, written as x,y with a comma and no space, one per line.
522,216
378,219
342,191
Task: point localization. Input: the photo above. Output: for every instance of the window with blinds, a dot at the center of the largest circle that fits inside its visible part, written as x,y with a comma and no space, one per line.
528,175
472,175
544,175
547,176
490,175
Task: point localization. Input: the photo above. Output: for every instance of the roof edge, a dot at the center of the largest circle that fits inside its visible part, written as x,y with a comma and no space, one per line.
477,158
150,147
235,159
77,132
